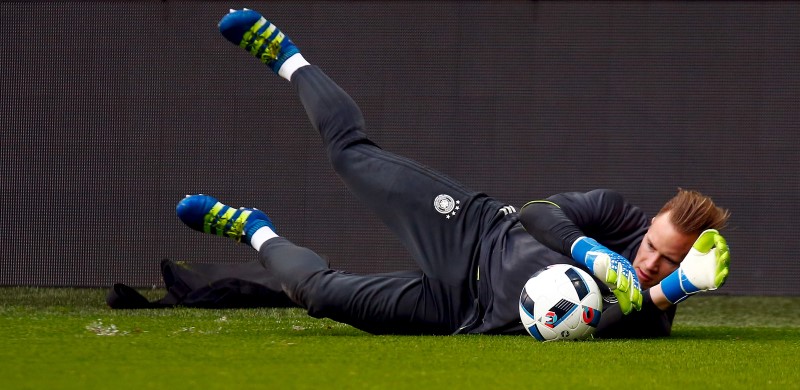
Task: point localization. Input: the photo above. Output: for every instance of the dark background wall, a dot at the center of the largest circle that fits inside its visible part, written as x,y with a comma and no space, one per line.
112,111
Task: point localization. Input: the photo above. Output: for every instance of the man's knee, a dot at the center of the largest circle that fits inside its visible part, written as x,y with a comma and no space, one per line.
348,154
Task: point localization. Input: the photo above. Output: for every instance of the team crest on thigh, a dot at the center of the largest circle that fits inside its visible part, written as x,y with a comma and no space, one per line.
446,205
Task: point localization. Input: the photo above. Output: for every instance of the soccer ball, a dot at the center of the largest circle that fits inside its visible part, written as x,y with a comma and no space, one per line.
560,302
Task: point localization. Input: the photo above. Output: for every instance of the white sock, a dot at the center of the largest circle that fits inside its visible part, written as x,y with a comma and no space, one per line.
262,235
292,64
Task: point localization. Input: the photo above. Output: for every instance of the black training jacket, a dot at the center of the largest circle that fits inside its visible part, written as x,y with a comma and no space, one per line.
515,254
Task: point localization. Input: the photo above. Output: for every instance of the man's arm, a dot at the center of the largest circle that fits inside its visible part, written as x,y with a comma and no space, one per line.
704,268
658,298
558,221
567,223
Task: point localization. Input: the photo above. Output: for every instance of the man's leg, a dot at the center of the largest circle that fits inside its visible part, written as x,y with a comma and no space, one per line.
407,303
438,220
400,303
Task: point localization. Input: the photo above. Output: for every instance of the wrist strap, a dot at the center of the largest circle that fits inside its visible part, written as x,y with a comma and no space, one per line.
581,246
676,288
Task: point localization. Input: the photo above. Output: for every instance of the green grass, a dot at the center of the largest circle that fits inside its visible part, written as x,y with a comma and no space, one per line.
68,338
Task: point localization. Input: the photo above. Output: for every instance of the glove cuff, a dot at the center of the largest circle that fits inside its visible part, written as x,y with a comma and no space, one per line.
677,288
580,247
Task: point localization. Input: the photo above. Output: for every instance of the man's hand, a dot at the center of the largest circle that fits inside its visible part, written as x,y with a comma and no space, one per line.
704,268
613,269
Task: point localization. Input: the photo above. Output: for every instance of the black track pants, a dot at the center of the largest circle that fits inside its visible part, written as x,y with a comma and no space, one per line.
438,221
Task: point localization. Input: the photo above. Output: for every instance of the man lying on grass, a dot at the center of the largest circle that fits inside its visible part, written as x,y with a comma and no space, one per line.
474,253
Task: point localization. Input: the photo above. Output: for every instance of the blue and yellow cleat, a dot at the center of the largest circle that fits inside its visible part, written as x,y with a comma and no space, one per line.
208,215
249,30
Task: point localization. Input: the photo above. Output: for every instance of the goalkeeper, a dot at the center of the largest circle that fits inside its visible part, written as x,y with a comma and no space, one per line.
474,253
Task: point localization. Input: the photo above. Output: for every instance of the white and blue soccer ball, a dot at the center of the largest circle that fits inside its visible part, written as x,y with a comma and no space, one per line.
560,302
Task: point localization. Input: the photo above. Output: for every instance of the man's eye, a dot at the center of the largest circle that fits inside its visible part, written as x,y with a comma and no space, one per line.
673,263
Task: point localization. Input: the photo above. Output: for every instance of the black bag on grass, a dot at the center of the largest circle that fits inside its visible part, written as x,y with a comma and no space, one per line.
212,286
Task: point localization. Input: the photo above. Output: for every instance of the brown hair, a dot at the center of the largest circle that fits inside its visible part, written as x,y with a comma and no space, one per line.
693,212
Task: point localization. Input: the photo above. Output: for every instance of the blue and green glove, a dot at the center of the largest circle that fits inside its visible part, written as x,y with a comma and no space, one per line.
613,269
704,268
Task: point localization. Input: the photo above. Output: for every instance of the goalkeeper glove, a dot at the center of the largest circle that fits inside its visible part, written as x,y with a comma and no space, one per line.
704,268
613,269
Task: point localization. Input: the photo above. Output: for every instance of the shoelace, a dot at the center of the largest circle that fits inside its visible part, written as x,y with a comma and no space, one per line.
236,230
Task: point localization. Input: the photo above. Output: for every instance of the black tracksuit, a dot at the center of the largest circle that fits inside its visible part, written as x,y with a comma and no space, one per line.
473,253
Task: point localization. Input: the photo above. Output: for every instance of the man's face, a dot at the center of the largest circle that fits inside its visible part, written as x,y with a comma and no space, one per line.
662,250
